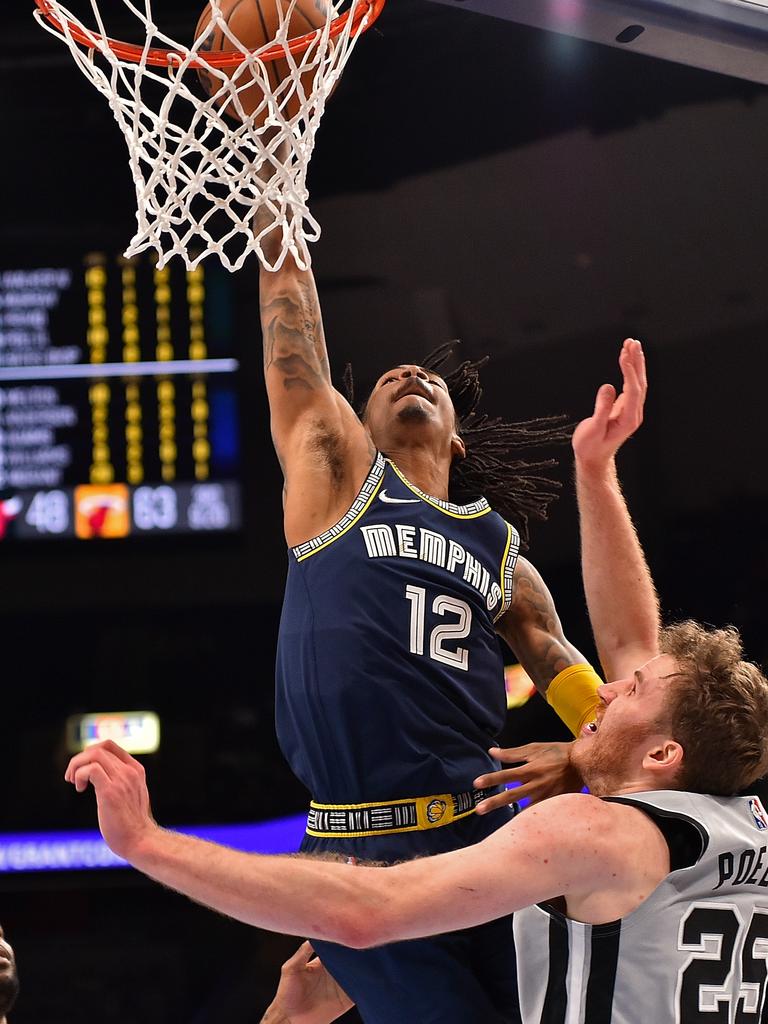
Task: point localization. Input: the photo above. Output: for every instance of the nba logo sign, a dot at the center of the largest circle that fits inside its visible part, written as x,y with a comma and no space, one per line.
758,814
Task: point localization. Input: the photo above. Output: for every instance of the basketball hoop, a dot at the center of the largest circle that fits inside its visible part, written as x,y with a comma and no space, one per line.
216,174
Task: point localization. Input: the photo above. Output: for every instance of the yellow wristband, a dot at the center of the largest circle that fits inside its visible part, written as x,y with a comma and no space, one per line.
573,695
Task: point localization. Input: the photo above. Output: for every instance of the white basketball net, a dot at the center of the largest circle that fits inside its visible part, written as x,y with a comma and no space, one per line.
207,183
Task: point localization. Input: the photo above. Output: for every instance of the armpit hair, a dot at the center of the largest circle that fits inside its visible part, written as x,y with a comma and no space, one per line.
329,445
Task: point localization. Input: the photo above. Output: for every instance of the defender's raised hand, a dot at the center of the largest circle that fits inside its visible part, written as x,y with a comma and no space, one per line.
622,602
125,815
596,439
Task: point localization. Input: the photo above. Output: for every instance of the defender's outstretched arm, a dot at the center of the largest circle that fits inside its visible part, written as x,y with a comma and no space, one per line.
525,862
621,598
622,602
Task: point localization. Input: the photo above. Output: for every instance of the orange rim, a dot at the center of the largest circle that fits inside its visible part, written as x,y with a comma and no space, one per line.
370,9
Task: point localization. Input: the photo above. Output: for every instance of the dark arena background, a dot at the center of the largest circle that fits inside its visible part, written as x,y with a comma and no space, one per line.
539,196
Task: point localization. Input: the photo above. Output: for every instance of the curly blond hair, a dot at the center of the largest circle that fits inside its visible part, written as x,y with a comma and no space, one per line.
718,709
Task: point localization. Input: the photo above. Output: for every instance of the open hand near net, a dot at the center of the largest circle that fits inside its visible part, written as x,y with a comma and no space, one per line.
597,438
125,815
307,993
543,770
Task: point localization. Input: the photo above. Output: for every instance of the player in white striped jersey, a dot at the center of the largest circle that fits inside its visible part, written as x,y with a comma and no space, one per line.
645,901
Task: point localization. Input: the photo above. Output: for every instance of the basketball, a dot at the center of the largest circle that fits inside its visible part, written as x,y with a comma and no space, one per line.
255,23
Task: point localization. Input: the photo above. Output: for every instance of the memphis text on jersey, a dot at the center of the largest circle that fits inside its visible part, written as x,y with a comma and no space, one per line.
403,541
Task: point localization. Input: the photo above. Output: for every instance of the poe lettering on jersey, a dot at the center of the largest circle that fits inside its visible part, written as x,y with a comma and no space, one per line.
748,867
383,541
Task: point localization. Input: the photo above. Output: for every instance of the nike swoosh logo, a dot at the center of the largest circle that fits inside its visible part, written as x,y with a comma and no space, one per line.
397,501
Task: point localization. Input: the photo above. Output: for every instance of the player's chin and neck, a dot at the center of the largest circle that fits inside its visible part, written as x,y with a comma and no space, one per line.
412,425
416,413
613,773
603,771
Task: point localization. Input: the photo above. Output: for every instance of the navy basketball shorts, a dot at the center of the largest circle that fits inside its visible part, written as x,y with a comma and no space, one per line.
463,977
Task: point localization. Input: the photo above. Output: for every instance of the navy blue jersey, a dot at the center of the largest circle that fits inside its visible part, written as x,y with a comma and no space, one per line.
389,672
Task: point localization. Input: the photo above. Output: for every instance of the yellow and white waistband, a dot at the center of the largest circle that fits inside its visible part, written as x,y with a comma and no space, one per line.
376,819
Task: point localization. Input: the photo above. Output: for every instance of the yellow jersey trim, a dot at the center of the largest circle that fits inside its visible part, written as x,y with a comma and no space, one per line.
573,695
474,511
359,506
507,570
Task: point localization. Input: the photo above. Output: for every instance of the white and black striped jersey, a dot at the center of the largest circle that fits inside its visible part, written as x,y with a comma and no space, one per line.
695,952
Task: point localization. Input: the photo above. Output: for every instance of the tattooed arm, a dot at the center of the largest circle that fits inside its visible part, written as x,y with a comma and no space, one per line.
323,449
532,629
296,367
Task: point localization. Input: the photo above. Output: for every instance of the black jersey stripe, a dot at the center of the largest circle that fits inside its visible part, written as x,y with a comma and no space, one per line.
604,963
556,998
513,1014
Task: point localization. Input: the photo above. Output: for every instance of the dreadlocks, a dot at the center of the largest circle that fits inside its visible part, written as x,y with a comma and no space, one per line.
518,489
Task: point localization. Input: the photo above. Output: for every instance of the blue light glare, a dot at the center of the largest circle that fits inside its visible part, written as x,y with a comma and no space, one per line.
86,850
525,802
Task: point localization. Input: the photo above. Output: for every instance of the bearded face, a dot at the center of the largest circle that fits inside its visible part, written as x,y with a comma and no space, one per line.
614,752
609,753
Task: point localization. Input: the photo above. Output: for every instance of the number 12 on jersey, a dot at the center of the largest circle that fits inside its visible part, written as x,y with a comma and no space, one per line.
443,605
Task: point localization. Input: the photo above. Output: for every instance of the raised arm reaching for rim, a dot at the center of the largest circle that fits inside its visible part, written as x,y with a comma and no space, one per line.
323,448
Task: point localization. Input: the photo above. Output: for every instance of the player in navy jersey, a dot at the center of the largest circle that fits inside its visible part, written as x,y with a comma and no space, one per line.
389,675
642,902
389,672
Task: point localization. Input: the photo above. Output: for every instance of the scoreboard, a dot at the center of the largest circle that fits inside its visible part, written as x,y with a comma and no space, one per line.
118,401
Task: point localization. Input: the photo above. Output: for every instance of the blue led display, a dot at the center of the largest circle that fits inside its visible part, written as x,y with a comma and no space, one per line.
86,850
